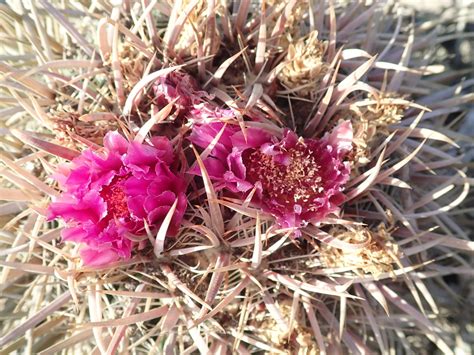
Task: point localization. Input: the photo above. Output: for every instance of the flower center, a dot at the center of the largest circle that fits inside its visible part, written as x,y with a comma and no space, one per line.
115,198
296,181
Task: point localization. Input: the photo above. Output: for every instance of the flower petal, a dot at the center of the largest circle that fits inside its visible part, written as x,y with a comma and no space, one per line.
341,137
98,257
108,194
115,142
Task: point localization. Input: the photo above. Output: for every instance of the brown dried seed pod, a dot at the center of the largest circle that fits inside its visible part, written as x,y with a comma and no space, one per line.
304,66
379,256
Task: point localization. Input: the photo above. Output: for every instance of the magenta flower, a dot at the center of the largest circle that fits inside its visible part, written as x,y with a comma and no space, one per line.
108,195
296,180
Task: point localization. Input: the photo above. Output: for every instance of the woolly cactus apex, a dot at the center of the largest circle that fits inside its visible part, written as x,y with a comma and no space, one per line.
348,138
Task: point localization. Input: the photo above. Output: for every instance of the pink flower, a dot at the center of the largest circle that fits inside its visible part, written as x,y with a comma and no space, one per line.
108,195
296,180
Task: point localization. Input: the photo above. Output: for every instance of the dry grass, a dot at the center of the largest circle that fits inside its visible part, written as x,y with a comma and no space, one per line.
368,280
